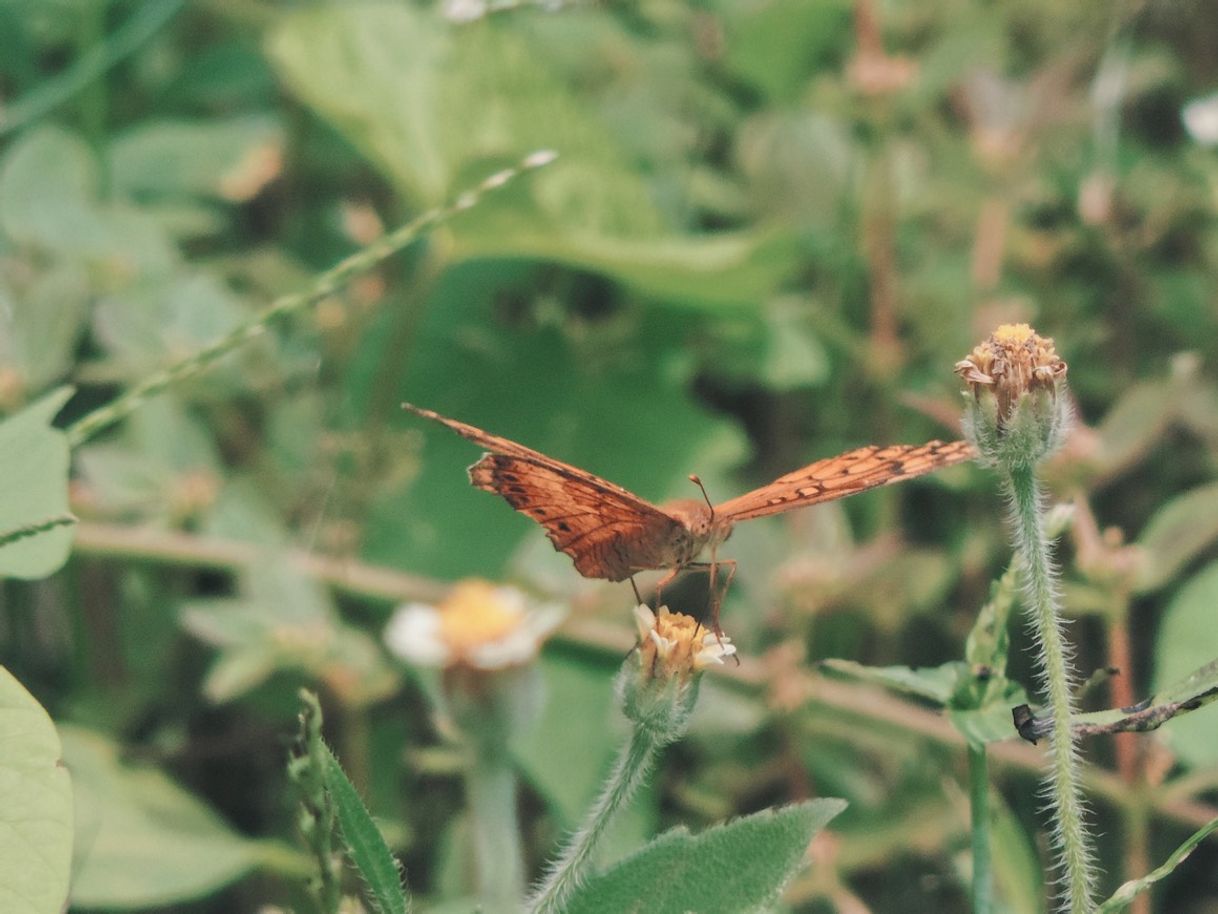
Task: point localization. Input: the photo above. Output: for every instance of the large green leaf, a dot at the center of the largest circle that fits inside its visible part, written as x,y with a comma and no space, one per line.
35,806
507,385
34,489
740,866
143,841
390,76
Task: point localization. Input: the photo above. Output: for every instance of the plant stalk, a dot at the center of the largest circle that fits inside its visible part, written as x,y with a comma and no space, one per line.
979,804
629,772
498,856
1065,794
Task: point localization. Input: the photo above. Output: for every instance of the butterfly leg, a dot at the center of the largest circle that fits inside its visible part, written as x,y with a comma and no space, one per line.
665,581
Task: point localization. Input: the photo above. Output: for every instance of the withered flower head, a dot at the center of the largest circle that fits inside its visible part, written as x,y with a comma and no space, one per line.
1018,414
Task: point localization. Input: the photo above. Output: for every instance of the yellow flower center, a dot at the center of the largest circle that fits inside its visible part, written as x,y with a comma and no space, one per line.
475,614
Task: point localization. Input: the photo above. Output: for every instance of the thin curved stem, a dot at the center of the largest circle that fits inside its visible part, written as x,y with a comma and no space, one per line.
629,773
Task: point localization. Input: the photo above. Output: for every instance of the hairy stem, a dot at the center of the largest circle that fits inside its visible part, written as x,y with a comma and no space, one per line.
629,773
1065,793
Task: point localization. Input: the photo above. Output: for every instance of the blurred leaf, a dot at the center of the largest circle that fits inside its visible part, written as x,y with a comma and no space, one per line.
1186,641
1018,871
741,866
565,755
1176,534
935,684
231,160
777,45
1123,896
284,621
389,76
1134,425
591,419
34,490
364,843
49,181
42,317
35,806
142,841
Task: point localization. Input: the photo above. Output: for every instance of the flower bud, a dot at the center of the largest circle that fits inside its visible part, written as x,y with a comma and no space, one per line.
1018,412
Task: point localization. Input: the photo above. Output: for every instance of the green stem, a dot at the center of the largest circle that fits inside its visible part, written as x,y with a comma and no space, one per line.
325,285
979,801
1070,836
628,775
498,857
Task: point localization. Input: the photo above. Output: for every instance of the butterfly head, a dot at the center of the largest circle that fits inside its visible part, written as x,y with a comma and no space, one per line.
699,518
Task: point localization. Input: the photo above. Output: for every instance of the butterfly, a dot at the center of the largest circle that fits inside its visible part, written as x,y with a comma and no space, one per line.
611,533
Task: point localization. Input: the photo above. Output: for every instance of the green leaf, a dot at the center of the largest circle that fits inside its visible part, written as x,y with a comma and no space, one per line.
1177,532
364,842
34,488
48,183
740,866
1187,641
1188,695
935,684
1122,897
389,76
142,840
565,755
35,806
226,159
284,621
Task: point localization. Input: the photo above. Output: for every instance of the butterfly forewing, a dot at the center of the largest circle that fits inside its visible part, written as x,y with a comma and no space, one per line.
608,531
836,477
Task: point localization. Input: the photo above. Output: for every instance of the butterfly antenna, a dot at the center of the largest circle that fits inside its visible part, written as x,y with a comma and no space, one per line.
693,477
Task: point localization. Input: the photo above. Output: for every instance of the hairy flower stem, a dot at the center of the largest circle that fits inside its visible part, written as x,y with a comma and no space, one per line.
629,773
498,859
979,803
1065,794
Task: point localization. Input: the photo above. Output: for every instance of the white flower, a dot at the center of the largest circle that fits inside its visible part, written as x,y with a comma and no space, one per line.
674,644
478,625
1201,120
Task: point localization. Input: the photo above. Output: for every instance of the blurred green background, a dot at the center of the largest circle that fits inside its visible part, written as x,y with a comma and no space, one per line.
773,228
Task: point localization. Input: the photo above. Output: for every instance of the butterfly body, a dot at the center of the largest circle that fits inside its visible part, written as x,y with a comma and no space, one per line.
611,533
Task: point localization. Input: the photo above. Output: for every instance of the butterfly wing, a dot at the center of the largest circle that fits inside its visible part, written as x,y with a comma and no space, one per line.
609,531
836,477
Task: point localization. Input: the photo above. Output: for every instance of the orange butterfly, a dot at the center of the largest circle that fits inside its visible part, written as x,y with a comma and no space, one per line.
611,533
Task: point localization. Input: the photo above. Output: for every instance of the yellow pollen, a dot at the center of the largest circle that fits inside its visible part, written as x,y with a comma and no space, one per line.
1013,334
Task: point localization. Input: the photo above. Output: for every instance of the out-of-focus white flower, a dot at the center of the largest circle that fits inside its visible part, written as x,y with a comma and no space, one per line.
479,626
1201,119
673,644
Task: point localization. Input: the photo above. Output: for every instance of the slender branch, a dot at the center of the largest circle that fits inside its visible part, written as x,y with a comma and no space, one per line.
328,283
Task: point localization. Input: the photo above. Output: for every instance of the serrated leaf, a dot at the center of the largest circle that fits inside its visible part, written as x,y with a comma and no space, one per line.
1176,533
35,806
1123,896
143,841
34,488
364,842
730,868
